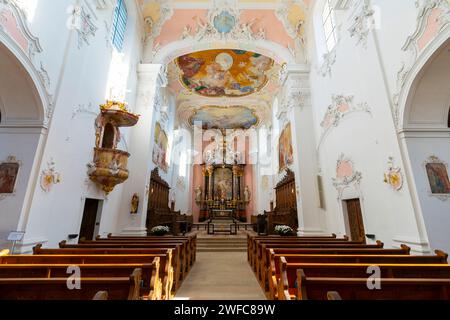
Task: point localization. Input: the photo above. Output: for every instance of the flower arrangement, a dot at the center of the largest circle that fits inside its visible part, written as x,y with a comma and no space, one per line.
159,231
284,230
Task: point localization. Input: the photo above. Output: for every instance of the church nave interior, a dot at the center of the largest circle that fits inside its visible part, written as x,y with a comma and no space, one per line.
224,150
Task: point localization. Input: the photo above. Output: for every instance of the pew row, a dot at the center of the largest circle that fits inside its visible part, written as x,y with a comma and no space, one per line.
273,273
312,288
403,281
178,254
165,260
261,263
118,288
171,253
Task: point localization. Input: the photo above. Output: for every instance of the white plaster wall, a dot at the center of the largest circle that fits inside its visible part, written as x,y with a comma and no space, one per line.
11,206
79,75
367,139
436,212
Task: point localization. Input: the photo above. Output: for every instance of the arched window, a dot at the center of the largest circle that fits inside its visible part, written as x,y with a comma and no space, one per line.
329,25
108,137
119,25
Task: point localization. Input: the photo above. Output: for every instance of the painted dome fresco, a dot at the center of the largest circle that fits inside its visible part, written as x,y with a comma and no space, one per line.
224,73
216,117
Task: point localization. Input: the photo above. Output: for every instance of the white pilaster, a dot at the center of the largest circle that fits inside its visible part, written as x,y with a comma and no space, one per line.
299,112
140,148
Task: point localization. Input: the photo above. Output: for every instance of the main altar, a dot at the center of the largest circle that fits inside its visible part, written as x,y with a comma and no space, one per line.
223,194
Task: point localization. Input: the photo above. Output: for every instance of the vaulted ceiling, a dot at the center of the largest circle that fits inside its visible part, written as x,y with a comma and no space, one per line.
224,56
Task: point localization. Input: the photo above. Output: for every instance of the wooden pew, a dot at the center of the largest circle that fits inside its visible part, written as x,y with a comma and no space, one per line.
118,288
315,288
176,247
151,288
262,256
252,238
38,250
264,262
166,273
273,273
256,245
191,238
186,245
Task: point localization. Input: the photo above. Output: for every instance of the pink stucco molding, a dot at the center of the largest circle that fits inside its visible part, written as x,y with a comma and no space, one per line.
9,23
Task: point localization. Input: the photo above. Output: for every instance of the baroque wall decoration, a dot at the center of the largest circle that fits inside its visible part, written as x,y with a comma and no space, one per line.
83,23
437,173
346,175
394,176
293,15
49,176
14,26
181,184
363,23
340,107
329,59
9,172
223,23
432,19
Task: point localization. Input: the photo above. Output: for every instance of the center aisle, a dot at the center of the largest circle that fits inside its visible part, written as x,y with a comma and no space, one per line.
221,276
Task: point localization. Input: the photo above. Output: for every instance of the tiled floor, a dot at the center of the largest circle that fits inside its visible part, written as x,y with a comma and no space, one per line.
221,276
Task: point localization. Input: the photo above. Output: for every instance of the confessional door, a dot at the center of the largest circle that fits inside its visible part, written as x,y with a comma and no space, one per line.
91,219
355,220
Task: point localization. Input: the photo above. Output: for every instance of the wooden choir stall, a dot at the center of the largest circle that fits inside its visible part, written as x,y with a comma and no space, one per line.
159,213
285,211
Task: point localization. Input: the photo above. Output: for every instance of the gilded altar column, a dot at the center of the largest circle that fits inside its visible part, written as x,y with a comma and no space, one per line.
210,171
236,171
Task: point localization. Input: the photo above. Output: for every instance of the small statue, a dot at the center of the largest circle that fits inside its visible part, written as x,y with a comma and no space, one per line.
247,194
134,204
198,194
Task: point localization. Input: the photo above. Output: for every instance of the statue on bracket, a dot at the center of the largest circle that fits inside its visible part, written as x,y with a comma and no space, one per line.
247,194
134,204
198,194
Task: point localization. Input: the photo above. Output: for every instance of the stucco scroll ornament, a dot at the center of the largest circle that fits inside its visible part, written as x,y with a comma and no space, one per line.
329,59
49,176
436,171
393,176
362,24
9,172
340,107
223,23
181,184
83,23
433,19
346,175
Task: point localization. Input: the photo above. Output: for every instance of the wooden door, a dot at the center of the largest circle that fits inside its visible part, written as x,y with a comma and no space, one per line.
89,219
355,220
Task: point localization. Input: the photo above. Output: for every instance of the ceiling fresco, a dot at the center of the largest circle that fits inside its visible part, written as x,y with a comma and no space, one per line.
224,73
216,117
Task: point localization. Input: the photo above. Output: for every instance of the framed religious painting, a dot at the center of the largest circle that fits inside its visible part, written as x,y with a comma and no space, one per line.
437,174
9,171
285,149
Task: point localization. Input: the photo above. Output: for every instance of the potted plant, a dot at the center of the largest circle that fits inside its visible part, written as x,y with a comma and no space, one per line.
159,231
284,230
